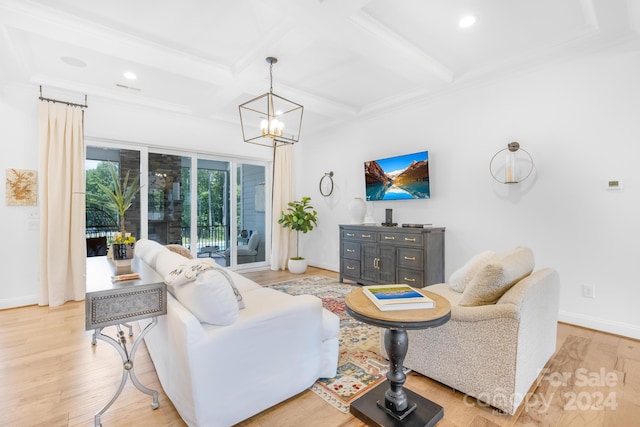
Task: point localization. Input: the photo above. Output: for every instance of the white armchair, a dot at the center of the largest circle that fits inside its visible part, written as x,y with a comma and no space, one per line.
493,352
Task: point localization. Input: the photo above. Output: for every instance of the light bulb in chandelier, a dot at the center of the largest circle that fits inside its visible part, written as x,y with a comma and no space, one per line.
271,128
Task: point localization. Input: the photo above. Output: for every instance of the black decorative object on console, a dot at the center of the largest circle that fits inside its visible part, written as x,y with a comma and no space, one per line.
388,218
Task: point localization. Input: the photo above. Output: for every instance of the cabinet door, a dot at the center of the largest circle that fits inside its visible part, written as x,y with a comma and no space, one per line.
387,264
370,262
379,263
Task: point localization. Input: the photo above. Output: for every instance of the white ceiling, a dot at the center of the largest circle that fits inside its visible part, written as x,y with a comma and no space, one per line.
340,59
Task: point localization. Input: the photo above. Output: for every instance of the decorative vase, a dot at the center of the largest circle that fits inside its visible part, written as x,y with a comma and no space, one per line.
368,216
357,209
297,266
122,251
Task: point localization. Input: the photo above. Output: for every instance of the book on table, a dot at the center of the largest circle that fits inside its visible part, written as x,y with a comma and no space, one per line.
397,297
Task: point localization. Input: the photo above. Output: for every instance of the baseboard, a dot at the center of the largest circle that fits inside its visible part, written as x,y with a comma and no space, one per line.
618,328
324,266
18,302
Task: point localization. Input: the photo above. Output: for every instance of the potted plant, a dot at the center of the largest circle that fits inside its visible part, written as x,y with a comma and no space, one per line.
119,199
301,217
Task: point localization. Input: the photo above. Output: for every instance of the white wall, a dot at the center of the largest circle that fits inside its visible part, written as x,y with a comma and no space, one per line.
19,252
579,119
104,120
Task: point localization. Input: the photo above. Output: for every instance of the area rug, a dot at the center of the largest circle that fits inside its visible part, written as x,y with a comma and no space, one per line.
360,365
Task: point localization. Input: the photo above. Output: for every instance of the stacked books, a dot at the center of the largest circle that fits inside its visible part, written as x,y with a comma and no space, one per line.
397,297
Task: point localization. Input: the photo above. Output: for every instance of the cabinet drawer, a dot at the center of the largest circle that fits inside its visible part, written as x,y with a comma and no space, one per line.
403,239
359,235
350,268
411,277
410,258
351,250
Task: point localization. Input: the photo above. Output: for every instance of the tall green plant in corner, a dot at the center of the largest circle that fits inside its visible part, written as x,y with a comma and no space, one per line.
119,198
300,216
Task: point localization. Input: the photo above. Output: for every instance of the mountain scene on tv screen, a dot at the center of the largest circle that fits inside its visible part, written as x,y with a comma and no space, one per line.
402,177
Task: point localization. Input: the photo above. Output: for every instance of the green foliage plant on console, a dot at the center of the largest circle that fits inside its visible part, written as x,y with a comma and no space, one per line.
300,216
119,198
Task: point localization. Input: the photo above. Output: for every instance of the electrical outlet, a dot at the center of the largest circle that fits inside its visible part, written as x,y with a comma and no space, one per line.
588,291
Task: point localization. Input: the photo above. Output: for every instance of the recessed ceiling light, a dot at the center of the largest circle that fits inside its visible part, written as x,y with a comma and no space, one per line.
129,75
74,62
467,21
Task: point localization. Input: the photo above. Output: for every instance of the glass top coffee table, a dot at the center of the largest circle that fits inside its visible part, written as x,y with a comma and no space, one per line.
390,404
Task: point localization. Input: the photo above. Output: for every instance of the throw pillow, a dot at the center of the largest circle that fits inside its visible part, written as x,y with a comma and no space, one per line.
460,278
237,293
180,250
190,270
210,298
497,277
187,271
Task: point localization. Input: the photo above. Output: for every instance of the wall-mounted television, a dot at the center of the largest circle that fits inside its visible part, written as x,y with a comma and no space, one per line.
398,177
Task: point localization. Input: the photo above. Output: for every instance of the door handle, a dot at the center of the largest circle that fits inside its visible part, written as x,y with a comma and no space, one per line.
406,279
410,258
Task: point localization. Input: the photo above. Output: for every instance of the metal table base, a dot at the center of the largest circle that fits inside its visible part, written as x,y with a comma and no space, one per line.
120,344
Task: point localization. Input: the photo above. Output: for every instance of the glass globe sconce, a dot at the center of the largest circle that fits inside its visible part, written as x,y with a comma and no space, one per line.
511,165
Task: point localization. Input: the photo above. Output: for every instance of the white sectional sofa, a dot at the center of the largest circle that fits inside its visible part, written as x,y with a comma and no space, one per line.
275,347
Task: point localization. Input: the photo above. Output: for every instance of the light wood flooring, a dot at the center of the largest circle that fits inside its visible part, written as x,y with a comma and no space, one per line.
51,375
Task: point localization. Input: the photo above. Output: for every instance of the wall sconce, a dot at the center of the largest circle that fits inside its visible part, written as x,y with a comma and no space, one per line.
511,165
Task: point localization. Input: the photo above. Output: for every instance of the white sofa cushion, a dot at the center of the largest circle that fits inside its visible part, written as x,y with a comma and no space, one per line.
210,298
148,250
462,276
498,276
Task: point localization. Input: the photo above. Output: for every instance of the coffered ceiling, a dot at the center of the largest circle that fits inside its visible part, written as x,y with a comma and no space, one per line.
339,58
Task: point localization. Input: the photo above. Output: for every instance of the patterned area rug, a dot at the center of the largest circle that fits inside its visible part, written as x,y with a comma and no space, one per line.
360,366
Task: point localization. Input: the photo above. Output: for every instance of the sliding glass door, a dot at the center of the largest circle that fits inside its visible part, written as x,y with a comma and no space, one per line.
101,222
214,219
251,210
216,208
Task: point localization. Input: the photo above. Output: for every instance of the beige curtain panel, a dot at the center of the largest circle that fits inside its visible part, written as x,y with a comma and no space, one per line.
283,193
62,204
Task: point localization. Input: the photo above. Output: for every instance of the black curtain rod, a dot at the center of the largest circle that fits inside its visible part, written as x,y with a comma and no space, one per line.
41,98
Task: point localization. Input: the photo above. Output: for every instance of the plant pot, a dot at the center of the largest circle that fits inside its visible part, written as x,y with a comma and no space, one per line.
122,250
297,266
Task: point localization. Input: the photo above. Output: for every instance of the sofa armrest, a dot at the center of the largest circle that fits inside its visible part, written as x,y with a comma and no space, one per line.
484,312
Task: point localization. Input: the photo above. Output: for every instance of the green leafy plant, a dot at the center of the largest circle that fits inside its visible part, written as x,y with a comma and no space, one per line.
119,199
300,216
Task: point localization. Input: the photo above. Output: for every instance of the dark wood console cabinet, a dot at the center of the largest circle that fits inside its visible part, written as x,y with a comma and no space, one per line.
375,254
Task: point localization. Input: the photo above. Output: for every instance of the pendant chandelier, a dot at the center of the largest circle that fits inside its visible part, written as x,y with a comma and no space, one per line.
269,119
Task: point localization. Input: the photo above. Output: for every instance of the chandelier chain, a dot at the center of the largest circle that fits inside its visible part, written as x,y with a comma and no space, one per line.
271,77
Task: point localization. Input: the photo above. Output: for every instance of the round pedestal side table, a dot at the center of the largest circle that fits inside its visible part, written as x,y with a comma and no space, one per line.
390,404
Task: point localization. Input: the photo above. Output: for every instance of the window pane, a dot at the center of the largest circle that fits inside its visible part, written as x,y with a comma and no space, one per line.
102,220
251,213
213,211
168,221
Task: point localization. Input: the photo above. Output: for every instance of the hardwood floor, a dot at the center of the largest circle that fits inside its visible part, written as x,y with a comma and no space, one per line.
52,376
